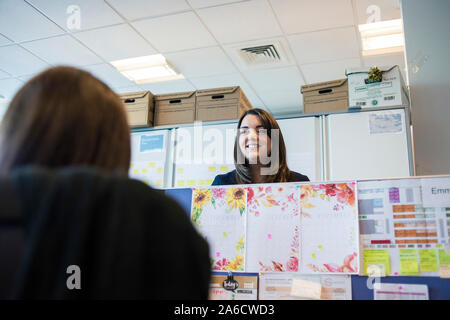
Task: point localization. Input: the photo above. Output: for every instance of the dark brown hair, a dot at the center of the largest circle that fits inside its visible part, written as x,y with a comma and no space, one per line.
65,116
243,174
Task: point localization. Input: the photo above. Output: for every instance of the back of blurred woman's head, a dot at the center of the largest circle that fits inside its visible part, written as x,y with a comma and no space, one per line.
62,117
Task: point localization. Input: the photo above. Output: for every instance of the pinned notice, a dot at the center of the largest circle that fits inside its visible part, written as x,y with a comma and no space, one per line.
151,143
386,122
436,192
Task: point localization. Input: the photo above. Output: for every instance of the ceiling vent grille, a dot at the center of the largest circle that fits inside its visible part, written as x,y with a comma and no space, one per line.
262,55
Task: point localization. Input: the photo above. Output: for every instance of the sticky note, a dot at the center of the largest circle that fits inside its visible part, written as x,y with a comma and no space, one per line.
151,164
144,170
306,289
408,262
210,181
146,181
201,181
159,183
159,170
428,260
180,170
180,183
131,165
223,168
376,257
444,257
212,169
135,171
191,182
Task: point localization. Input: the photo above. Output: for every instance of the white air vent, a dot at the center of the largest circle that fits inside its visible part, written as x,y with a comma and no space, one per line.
261,54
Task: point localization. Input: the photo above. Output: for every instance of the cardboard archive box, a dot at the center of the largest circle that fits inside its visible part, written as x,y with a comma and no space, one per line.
325,96
391,91
221,104
174,108
140,107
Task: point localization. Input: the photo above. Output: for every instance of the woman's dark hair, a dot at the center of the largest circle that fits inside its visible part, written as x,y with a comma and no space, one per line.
243,174
65,116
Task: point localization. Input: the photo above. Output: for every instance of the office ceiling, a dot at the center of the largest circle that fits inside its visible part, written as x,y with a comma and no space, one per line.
316,40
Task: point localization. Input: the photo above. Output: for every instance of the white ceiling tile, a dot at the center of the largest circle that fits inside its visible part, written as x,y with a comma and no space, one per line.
328,71
211,3
387,60
4,41
62,50
201,62
175,32
242,21
115,42
92,13
27,77
325,45
369,11
18,61
228,80
4,75
109,75
168,86
21,22
9,87
136,9
278,88
297,16
3,108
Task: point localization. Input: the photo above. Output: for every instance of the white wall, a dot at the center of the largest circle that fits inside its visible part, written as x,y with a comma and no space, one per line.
426,28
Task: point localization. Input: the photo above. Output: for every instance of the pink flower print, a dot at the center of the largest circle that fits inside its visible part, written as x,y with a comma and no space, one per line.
350,263
292,264
269,189
218,193
221,264
332,267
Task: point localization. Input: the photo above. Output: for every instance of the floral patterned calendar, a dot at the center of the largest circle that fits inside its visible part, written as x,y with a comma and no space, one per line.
329,228
219,216
273,228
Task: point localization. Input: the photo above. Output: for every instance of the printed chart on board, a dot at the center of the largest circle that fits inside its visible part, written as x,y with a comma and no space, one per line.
401,232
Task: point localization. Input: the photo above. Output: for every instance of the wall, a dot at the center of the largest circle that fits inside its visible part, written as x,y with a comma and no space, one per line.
426,29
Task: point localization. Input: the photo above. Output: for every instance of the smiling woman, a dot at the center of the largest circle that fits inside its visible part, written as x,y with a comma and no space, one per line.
259,152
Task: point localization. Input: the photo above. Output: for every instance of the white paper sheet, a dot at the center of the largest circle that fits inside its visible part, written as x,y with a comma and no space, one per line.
395,291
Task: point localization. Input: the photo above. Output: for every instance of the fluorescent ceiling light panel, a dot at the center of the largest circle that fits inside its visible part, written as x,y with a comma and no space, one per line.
147,69
382,37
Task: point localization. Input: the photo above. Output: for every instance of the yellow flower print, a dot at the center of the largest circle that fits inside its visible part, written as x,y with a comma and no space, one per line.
201,198
235,198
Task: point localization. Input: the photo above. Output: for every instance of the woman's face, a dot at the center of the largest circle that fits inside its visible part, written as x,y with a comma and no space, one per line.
254,141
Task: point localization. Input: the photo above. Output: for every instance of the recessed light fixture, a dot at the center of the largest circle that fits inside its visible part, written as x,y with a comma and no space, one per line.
147,69
382,37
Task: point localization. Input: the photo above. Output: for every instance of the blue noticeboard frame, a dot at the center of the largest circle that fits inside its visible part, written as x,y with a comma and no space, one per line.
438,288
